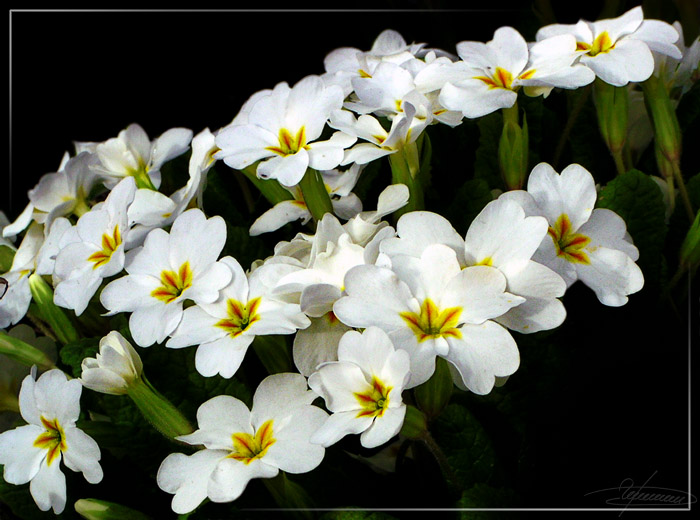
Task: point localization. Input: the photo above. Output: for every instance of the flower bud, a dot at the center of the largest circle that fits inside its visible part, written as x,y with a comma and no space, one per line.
115,368
433,395
667,131
612,107
414,424
513,150
93,509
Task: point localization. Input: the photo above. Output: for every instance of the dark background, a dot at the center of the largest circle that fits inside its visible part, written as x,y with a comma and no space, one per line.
617,405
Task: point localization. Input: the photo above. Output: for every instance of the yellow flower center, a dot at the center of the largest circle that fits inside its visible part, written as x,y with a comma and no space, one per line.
247,447
289,144
601,44
500,78
433,323
240,316
173,284
110,243
53,439
374,400
569,245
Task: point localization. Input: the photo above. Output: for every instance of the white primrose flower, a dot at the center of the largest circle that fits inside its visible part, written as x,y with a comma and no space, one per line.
32,453
344,64
225,328
58,194
501,236
362,389
152,209
493,72
430,306
133,154
114,367
168,269
405,129
17,296
241,444
282,130
338,184
587,244
93,249
619,50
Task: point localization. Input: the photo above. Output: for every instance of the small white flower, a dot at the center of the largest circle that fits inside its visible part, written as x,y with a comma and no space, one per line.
32,453
168,269
241,444
114,368
362,389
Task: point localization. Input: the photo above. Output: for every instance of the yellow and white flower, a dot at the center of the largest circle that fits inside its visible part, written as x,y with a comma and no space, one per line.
114,368
33,453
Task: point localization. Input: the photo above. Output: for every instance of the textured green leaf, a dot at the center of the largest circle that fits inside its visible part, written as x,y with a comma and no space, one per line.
466,444
638,200
72,354
484,496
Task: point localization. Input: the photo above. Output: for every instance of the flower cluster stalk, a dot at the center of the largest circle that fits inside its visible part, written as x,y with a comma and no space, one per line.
160,412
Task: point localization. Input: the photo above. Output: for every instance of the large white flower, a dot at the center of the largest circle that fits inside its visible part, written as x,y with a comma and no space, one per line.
493,72
583,243
619,49
168,269
501,236
281,131
93,249
225,328
241,444
362,389
430,306
32,453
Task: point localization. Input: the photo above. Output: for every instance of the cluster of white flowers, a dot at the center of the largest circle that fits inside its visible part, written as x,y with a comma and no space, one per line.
371,306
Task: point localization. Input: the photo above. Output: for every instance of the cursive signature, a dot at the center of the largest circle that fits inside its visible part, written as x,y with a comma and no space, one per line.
630,495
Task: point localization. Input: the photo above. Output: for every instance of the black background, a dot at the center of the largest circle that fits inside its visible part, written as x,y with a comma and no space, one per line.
623,408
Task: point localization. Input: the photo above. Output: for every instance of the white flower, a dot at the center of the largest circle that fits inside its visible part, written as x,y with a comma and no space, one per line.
152,209
493,72
224,329
282,130
32,453
501,236
93,249
168,269
241,444
587,244
429,306
132,153
114,368
17,297
619,49
362,389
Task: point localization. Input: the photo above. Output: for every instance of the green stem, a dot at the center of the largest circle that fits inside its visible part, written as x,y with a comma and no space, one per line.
81,207
619,161
61,325
683,192
143,180
9,402
160,412
23,352
269,188
442,461
573,116
401,174
315,194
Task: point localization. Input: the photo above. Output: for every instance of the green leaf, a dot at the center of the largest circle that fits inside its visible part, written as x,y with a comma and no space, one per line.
484,496
72,354
638,200
7,255
466,444
356,515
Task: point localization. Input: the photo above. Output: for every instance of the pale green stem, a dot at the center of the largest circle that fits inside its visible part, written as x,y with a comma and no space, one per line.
160,412
315,194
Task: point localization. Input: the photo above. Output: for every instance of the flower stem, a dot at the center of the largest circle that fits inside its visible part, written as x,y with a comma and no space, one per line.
442,461
683,192
315,194
401,173
160,412
269,188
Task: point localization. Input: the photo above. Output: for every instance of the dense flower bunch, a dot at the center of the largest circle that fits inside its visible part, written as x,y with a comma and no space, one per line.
376,304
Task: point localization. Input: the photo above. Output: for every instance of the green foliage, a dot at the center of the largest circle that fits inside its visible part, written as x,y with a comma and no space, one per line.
470,199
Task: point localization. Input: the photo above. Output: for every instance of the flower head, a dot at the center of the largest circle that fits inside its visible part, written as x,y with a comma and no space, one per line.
114,368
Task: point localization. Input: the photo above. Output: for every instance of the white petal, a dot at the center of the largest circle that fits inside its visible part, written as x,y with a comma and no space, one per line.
384,428
20,458
82,454
48,488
